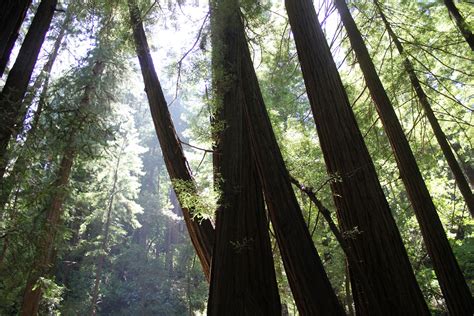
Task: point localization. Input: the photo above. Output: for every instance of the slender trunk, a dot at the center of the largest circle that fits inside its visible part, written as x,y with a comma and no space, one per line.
447,270
46,243
33,291
242,245
308,280
461,181
101,259
12,14
42,81
347,287
460,23
363,212
201,232
11,97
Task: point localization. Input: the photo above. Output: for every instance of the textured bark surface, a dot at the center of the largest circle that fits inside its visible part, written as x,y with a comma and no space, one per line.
200,231
12,14
308,281
453,285
46,244
363,212
461,180
243,280
11,110
460,23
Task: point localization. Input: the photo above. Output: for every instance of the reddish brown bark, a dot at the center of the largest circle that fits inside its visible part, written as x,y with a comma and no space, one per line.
460,23
201,232
453,285
308,281
362,209
243,280
461,180
11,98
46,243
12,14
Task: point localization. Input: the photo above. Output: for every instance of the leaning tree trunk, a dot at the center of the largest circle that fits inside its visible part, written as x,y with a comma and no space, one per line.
438,132
200,231
460,23
309,283
41,83
363,212
452,282
242,245
12,14
54,212
11,98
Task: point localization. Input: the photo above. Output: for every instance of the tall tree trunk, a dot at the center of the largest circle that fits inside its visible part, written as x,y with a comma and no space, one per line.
450,277
201,232
46,243
242,245
363,212
461,181
105,240
308,280
460,23
11,98
41,83
12,14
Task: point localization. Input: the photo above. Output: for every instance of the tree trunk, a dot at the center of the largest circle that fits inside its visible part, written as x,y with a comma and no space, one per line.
461,181
460,23
11,98
42,80
45,252
242,245
308,280
12,14
46,243
201,232
447,270
363,212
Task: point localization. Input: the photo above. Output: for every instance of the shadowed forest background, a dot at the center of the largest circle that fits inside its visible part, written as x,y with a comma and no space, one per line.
231,157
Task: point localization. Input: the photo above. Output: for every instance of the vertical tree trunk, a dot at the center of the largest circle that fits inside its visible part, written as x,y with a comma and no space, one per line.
41,82
243,280
46,243
363,212
461,181
17,82
308,280
447,270
12,14
460,23
201,232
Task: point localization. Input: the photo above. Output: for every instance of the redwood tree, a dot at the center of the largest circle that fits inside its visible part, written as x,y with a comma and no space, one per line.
11,111
448,153
243,278
363,212
200,231
450,277
460,23
12,14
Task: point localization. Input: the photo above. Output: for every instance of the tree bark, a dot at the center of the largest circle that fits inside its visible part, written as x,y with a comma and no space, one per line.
41,82
362,210
243,280
309,283
12,14
11,98
447,270
201,232
460,23
46,244
459,177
